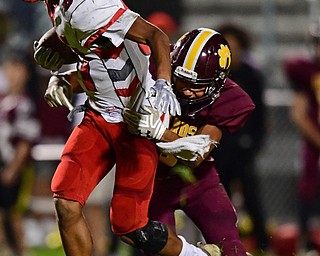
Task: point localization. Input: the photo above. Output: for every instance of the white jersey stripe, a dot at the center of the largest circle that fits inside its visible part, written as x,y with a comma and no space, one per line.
103,29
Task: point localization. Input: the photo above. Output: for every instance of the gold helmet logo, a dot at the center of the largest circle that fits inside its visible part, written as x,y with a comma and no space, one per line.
225,56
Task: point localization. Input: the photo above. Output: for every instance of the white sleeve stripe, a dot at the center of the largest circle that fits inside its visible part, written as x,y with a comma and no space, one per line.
94,36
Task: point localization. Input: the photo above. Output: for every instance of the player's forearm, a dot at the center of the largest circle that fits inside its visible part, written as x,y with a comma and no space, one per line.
160,51
214,132
169,136
72,77
144,32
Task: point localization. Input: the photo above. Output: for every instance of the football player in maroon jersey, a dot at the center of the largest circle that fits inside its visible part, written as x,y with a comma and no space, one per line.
303,73
211,103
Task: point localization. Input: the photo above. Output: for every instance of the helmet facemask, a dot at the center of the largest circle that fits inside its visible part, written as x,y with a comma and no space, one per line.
191,106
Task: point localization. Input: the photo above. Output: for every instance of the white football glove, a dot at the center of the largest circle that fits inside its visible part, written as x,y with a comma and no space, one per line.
58,91
165,98
188,148
47,58
146,125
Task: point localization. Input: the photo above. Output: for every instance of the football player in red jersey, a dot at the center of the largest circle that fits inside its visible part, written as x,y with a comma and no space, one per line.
303,73
186,177
113,71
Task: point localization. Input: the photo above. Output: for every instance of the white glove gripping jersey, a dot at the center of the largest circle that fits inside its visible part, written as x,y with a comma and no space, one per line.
111,75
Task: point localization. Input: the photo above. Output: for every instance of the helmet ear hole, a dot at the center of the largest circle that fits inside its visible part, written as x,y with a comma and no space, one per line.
202,57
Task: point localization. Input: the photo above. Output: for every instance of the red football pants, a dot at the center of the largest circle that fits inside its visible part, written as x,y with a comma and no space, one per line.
89,154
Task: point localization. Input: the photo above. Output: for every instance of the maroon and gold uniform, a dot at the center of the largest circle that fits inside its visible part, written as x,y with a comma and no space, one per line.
304,75
203,198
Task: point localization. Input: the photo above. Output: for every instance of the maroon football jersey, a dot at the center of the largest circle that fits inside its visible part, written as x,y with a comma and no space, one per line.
229,112
304,75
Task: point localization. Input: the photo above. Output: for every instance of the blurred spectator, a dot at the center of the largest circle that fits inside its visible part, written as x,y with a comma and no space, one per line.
19,130
24,23
55,126
165,22
5,24
145,8
236,156
303,73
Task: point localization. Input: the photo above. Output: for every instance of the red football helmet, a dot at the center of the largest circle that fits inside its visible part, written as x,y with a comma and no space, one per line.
201,57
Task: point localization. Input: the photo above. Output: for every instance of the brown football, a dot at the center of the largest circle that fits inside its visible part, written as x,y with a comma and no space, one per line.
51,40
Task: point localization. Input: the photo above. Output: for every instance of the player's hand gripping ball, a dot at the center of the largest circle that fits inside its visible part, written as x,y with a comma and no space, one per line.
51,53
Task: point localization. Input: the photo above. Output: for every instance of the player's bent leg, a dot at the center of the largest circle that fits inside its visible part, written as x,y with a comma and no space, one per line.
156,238
217,227
151,238
75,235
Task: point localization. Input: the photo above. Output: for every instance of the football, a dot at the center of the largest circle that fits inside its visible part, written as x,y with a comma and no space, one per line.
51,40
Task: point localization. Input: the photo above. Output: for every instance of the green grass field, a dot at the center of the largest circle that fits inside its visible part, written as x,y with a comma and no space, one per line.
43,251
123,250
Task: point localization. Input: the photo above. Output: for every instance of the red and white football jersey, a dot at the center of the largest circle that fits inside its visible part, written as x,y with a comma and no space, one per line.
111,71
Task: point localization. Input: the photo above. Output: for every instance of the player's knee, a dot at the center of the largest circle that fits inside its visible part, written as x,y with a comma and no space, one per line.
67,211
151,238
